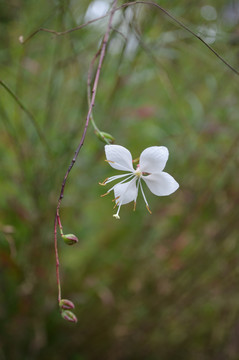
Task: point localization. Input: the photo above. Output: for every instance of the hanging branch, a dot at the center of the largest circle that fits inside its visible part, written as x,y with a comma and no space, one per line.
150,3
182,25
60,33
70,238
103,136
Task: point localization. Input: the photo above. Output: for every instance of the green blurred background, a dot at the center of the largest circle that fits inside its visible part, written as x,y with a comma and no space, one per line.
160,286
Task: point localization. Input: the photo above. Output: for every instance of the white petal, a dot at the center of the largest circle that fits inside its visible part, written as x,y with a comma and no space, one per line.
153,159
161,184
119,157
126,192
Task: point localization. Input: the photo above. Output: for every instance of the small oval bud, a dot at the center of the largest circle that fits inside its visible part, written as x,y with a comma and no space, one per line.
103,136
69,316
66,304
21,39
70,239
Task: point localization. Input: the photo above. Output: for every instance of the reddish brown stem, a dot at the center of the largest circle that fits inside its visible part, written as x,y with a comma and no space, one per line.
57,260
60,33
92,101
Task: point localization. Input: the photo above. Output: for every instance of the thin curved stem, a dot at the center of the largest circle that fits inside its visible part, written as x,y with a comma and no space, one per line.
57,260
167,13
60,33
185,27
97,130
89,78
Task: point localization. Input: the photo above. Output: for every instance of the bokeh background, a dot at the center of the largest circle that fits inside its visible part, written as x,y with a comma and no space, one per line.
160,286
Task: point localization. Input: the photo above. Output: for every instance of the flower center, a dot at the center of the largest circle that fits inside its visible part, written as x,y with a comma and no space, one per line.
137,172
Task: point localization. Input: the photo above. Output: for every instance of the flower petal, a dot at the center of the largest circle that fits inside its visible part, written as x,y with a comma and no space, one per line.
161,184
119,157
125,193
153,159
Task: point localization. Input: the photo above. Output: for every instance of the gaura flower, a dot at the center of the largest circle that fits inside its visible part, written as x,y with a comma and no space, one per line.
152,161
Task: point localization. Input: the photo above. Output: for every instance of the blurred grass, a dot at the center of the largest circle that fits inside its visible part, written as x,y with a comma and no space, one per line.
163,286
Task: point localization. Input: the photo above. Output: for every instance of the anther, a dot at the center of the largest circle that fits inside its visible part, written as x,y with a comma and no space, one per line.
104,182
104,194
116,198
116,205
148,209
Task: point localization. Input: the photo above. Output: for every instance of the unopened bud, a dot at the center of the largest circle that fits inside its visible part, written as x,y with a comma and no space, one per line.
66,304
69,316
70,239
21,39
103,136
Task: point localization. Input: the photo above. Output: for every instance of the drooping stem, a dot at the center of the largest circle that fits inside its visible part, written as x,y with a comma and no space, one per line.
90,71
91,105
60,33
150,3
57,260
182,25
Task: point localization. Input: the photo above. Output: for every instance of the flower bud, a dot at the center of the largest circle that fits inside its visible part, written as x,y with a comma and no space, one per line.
103,136
70,239
69,316
66,304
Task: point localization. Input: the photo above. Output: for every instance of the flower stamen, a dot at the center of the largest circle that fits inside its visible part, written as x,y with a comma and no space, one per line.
145,200
105,194
121,182
116,204
104,182
147,207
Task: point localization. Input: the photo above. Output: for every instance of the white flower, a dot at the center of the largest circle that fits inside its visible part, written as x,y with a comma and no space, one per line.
150,169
